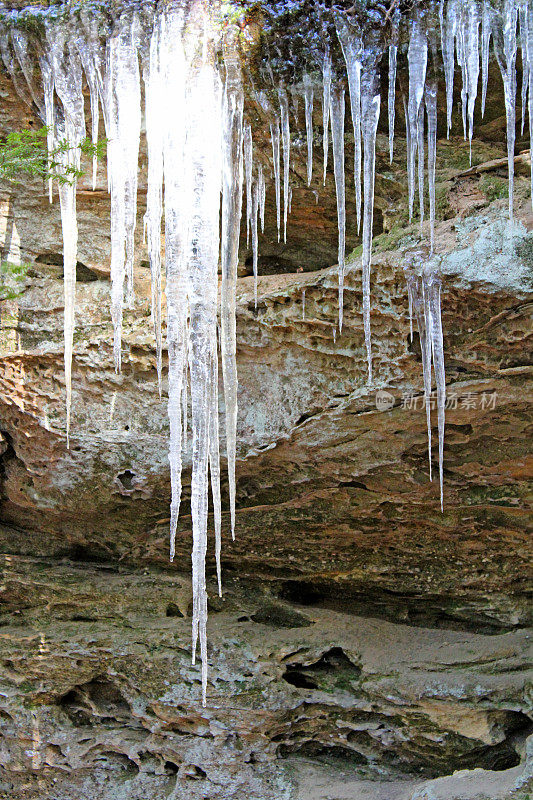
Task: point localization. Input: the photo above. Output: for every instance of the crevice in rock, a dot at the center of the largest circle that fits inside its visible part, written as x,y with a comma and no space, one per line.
7,454
84,274
89,552
276,615
173,610
95,702
127,480
333,671
333,755
354,485
443,612
112,760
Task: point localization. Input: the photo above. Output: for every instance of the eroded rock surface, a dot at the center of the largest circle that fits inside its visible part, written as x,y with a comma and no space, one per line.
98,696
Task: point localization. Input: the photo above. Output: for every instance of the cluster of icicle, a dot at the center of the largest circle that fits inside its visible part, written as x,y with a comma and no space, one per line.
201,149
195,132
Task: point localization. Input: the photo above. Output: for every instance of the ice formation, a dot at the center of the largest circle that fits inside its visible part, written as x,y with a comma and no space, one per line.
309,96
424,288
201,159
337,129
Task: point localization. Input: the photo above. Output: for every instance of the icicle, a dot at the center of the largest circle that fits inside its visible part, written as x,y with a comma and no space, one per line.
530,68
214,462
174,74
185,405
248,165
431,108
393,57
295,108
410,296
448,30
486,22
337,129
417,56
286,139
89,67
370,105
262,196
525,67
326,103
393,50
232,160
421,156
461,60
471,56
506,55
203,176
432,289
124,126
255,243
10,65
20,46
427,348
303,305
48,86
352,47
154,98
308,96
415,291
67,78
274,135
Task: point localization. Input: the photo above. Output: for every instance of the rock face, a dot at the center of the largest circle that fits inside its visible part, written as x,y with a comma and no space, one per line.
363,635
99,697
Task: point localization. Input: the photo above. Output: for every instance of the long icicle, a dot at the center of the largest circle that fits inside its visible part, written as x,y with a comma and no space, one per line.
471,39
173,65
204,170
417,56
393,51
286,140
448,30
275,137
530,95
124,126
337,130
326,103
431,108
432,294
308,97
370,104
508,69
352,48
393,58
255,236
486,22
415,291
248,167
421,156
523,11
154,97
232,163
67,79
